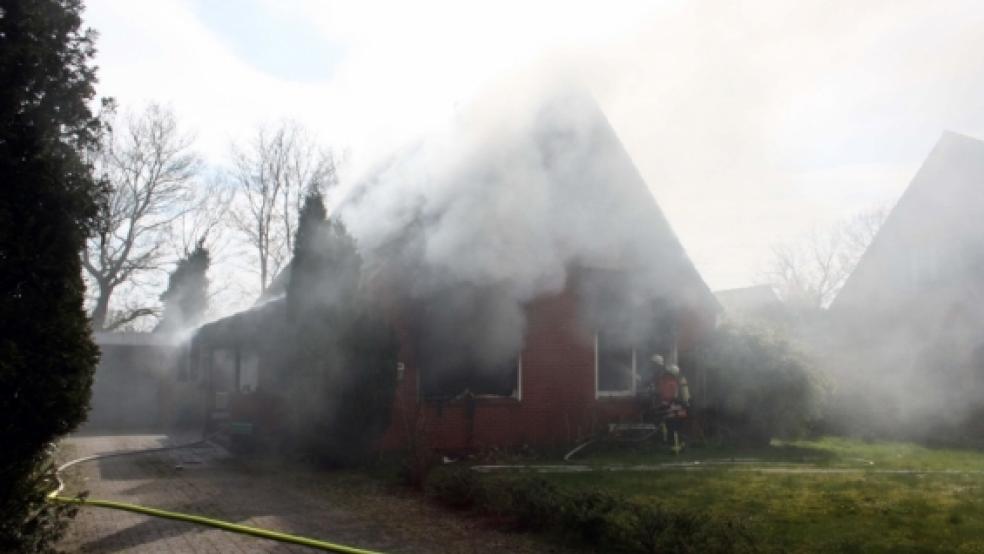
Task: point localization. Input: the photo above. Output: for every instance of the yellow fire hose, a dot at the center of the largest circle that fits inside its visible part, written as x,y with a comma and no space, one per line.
55,496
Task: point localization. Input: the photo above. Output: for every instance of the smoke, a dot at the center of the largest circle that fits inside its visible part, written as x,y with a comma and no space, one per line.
907,353
502,206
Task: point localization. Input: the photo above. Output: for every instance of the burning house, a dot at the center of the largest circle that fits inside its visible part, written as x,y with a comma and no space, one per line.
529,275
909,318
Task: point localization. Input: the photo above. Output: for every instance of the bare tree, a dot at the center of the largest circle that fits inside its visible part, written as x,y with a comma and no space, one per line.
273,173
149,166
810,272
205,221
859,231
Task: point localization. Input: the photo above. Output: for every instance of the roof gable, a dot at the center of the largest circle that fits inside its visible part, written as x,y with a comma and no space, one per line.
934,232
525,199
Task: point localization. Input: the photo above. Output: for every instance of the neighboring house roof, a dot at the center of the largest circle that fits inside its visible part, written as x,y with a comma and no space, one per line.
934,237
749,299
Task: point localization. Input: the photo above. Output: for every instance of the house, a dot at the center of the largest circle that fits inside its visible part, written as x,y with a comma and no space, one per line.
910,317
137,384
527,297
758,303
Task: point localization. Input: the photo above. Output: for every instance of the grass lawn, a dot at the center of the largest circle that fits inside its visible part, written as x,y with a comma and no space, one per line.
828,495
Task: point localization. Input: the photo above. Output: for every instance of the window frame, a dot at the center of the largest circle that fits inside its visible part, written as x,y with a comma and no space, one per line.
516,396
625,393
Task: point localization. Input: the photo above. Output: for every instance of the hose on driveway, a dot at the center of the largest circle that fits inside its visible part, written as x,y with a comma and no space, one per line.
56,496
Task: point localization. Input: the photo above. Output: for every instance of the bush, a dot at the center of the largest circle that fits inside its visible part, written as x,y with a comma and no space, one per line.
28,522
650,528
760,387
534,502
457,487
588,514
594,518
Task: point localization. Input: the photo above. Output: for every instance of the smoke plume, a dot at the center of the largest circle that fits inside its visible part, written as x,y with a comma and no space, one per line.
499,208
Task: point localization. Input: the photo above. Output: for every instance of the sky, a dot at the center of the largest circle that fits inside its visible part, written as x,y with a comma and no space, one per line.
752,122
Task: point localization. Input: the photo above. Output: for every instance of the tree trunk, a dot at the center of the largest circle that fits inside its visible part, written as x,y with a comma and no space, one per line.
263,273
100,312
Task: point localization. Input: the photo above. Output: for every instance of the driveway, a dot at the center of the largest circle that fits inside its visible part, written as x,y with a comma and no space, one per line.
341,507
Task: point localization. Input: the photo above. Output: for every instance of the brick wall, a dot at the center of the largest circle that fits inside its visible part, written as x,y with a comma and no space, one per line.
557,404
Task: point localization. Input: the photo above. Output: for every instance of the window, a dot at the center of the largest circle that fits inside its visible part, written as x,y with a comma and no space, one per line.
502,380
615,367
223,369
249,372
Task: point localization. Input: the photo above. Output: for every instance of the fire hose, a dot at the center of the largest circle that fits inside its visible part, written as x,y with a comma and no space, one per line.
55,496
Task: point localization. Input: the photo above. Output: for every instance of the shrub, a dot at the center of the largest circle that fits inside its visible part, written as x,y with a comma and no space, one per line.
457,487
593,518
28,522
588,514
534,502
651,528
760,387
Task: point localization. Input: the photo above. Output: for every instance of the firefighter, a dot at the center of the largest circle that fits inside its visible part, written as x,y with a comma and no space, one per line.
674,398
668,385
648,387
656,369
684,391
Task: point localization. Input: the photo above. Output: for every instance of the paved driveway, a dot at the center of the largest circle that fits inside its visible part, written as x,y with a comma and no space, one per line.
340,507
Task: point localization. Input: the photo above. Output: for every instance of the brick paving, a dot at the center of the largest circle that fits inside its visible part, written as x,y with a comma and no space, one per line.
206,480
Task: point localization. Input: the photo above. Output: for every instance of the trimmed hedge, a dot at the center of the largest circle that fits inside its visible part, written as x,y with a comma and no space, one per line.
593,517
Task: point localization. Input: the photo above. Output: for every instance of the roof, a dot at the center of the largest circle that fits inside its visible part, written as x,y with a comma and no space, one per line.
935,227
511,215
277,287
253,326
528,202
748,299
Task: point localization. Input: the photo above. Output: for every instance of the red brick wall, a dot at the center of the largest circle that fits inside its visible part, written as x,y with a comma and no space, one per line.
558,404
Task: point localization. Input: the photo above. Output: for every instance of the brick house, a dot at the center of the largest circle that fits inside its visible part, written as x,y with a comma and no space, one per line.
566,383
573,371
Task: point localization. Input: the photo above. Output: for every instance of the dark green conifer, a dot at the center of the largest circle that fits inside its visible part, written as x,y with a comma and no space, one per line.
340,375
186,298
47,202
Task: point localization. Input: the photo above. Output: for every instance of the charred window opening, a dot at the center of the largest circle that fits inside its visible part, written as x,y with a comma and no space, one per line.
234,369
249,372
468,339
489,380
615,366
224,368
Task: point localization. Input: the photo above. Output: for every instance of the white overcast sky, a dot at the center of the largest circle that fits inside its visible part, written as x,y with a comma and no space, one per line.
752,122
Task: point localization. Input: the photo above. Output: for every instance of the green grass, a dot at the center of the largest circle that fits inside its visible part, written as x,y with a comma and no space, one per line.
861,507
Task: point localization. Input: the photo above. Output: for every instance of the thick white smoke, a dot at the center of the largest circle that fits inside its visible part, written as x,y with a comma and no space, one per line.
498,209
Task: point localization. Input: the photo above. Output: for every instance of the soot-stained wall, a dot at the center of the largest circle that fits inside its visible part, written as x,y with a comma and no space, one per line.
556,403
